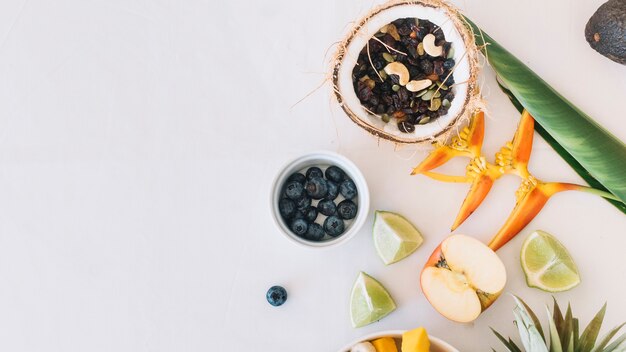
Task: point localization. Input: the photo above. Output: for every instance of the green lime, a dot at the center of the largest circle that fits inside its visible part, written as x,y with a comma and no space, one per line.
547,263
369,302
394,236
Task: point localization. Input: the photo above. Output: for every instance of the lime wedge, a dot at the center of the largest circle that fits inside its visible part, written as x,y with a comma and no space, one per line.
394,236
369,301
547,263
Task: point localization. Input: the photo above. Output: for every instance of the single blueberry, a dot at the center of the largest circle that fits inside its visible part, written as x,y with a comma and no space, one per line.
316,187
299,214
294,190
298,177
315,232
335,174
287,208
333,226
276,296
448,64
327,207
314,172
299,227
346,209
303,203
348,189
333,190
310,214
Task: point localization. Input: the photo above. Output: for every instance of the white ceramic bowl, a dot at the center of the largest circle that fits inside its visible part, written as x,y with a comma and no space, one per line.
322,159
436,345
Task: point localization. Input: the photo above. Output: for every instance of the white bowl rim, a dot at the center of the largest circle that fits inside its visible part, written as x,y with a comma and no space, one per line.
396,334
363,196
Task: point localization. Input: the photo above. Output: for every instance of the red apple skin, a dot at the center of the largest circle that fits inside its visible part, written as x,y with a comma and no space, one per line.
435,257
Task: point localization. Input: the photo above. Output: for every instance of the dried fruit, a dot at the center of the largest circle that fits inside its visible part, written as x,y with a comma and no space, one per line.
393,72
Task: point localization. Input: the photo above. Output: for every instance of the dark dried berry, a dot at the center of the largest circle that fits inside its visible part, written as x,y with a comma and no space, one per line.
448,64
406,127
438,67
426,66
364,91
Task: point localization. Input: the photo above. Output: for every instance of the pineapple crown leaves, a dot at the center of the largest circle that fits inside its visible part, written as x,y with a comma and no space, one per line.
563,332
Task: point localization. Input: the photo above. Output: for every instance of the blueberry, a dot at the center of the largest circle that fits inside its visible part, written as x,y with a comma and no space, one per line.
299,227
348,189
449,81
310,214
316,187
314,172
287,208
346,209
448,64
299,214
333,190
303,203
294,190
315,232
335,174
276,296
333,226
327,207
298,177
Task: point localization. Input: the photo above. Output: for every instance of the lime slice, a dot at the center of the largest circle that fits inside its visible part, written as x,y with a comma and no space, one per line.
547,264
394,237
369,301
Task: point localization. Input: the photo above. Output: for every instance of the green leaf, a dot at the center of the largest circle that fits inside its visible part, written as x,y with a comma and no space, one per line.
511,347
531,339
597,150
533,316
567,334
569,159
557,316
555,342
607,338
617,345
590,335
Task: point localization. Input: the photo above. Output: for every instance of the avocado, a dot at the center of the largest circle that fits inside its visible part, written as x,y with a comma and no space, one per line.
606,30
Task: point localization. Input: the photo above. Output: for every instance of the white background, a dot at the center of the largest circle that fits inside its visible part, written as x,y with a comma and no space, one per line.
138,141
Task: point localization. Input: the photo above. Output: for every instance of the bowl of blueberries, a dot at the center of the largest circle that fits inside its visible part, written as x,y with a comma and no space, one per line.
320,200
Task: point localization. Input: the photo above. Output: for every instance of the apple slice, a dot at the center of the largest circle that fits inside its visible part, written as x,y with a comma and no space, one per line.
462,278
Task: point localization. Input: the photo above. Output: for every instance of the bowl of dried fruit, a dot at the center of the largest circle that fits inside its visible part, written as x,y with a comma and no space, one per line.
407,71
320,199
